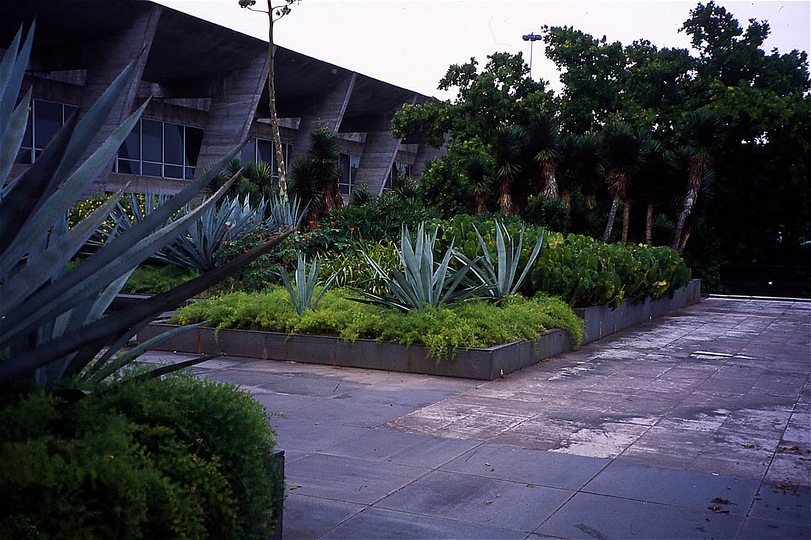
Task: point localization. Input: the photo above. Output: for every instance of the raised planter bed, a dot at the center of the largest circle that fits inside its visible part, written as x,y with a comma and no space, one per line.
475,363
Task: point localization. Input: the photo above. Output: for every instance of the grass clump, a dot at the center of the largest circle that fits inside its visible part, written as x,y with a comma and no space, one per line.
443,330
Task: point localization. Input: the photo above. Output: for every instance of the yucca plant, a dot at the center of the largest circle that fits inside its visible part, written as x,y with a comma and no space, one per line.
303,294
499,280
52,325
422,281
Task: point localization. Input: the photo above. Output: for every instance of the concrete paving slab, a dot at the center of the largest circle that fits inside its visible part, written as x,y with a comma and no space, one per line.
674,488
716,395
346,479
602,517
384,523
400,448
535,467
474,499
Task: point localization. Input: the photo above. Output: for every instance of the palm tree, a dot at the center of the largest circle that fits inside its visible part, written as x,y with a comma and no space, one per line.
543,141
623,150
653,183
702,132
314,176
475,166
507,150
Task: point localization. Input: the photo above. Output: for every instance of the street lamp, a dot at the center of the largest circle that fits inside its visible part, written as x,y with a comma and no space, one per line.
532,38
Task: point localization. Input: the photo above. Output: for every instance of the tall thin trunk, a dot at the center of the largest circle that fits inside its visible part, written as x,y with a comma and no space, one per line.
685,238
694,174
481,204
649,225
550,187
612,215
274,121
505,201
626,217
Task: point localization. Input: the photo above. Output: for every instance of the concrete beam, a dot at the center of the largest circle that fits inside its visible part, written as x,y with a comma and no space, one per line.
376,161
328,111
106,62
232,110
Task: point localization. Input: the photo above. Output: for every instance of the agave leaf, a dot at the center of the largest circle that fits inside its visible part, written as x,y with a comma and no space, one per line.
103,368
55,257
92,274
24,195
99,332
12,71
11,135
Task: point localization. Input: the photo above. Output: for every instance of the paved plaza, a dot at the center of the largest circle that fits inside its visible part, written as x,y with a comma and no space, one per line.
694,425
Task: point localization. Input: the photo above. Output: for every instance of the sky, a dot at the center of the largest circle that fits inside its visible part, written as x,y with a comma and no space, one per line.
412,43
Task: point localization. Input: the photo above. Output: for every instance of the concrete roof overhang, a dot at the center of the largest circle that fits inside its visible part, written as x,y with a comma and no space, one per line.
186,48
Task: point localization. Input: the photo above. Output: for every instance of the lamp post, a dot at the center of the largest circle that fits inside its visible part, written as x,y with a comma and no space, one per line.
532,38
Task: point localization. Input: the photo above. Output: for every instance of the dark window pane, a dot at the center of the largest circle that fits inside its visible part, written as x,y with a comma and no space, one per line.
248,152
127,166
194,140
47,121
152,141
24,156
152,169
173,143
68,112
131,147
264,149
189,173
173,171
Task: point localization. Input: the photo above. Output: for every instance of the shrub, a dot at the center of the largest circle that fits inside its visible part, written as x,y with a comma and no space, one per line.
442,329
176,457
154,279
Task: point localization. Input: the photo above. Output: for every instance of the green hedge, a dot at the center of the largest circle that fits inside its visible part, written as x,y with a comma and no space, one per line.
442,330
165,458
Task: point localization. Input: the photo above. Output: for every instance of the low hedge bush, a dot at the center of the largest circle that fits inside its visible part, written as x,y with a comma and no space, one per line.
163,458
443,330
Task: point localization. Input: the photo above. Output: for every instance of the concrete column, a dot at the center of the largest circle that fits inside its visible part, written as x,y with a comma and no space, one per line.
232,110
107,60
327,111
379,152
425,153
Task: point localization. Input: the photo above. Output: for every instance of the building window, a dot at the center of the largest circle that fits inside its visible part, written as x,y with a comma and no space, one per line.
257,150
400,169
44,121
162,149
348,167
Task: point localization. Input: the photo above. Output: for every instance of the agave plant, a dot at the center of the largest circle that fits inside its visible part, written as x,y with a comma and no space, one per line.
303,294
51,323
422,281
499,280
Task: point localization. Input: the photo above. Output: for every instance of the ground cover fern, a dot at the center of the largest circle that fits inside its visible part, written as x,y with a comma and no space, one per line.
443,329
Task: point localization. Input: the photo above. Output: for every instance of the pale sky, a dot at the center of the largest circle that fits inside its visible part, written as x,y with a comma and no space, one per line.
412,43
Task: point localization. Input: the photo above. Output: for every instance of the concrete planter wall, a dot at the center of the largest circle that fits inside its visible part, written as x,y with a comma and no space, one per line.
482,364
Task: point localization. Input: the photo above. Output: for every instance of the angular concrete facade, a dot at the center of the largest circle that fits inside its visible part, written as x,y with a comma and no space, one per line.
207,87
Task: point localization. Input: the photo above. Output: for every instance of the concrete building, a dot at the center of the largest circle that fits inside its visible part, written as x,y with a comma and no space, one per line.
208,90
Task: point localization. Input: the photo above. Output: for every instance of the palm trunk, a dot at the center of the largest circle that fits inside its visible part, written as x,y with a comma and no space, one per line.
684,240
505,201
649,225
274,121
626,217
481,204
609,227
696,170
550,187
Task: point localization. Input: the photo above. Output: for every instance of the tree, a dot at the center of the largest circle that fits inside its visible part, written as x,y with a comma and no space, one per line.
274,14
543,145
314,176
507,149
702,132
623,149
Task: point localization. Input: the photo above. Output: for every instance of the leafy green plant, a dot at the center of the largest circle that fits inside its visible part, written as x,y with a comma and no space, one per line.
443,329
500,280
53,324
161,458
303,294
422,281
155,279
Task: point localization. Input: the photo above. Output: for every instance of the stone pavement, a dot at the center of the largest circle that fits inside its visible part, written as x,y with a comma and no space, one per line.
694,425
